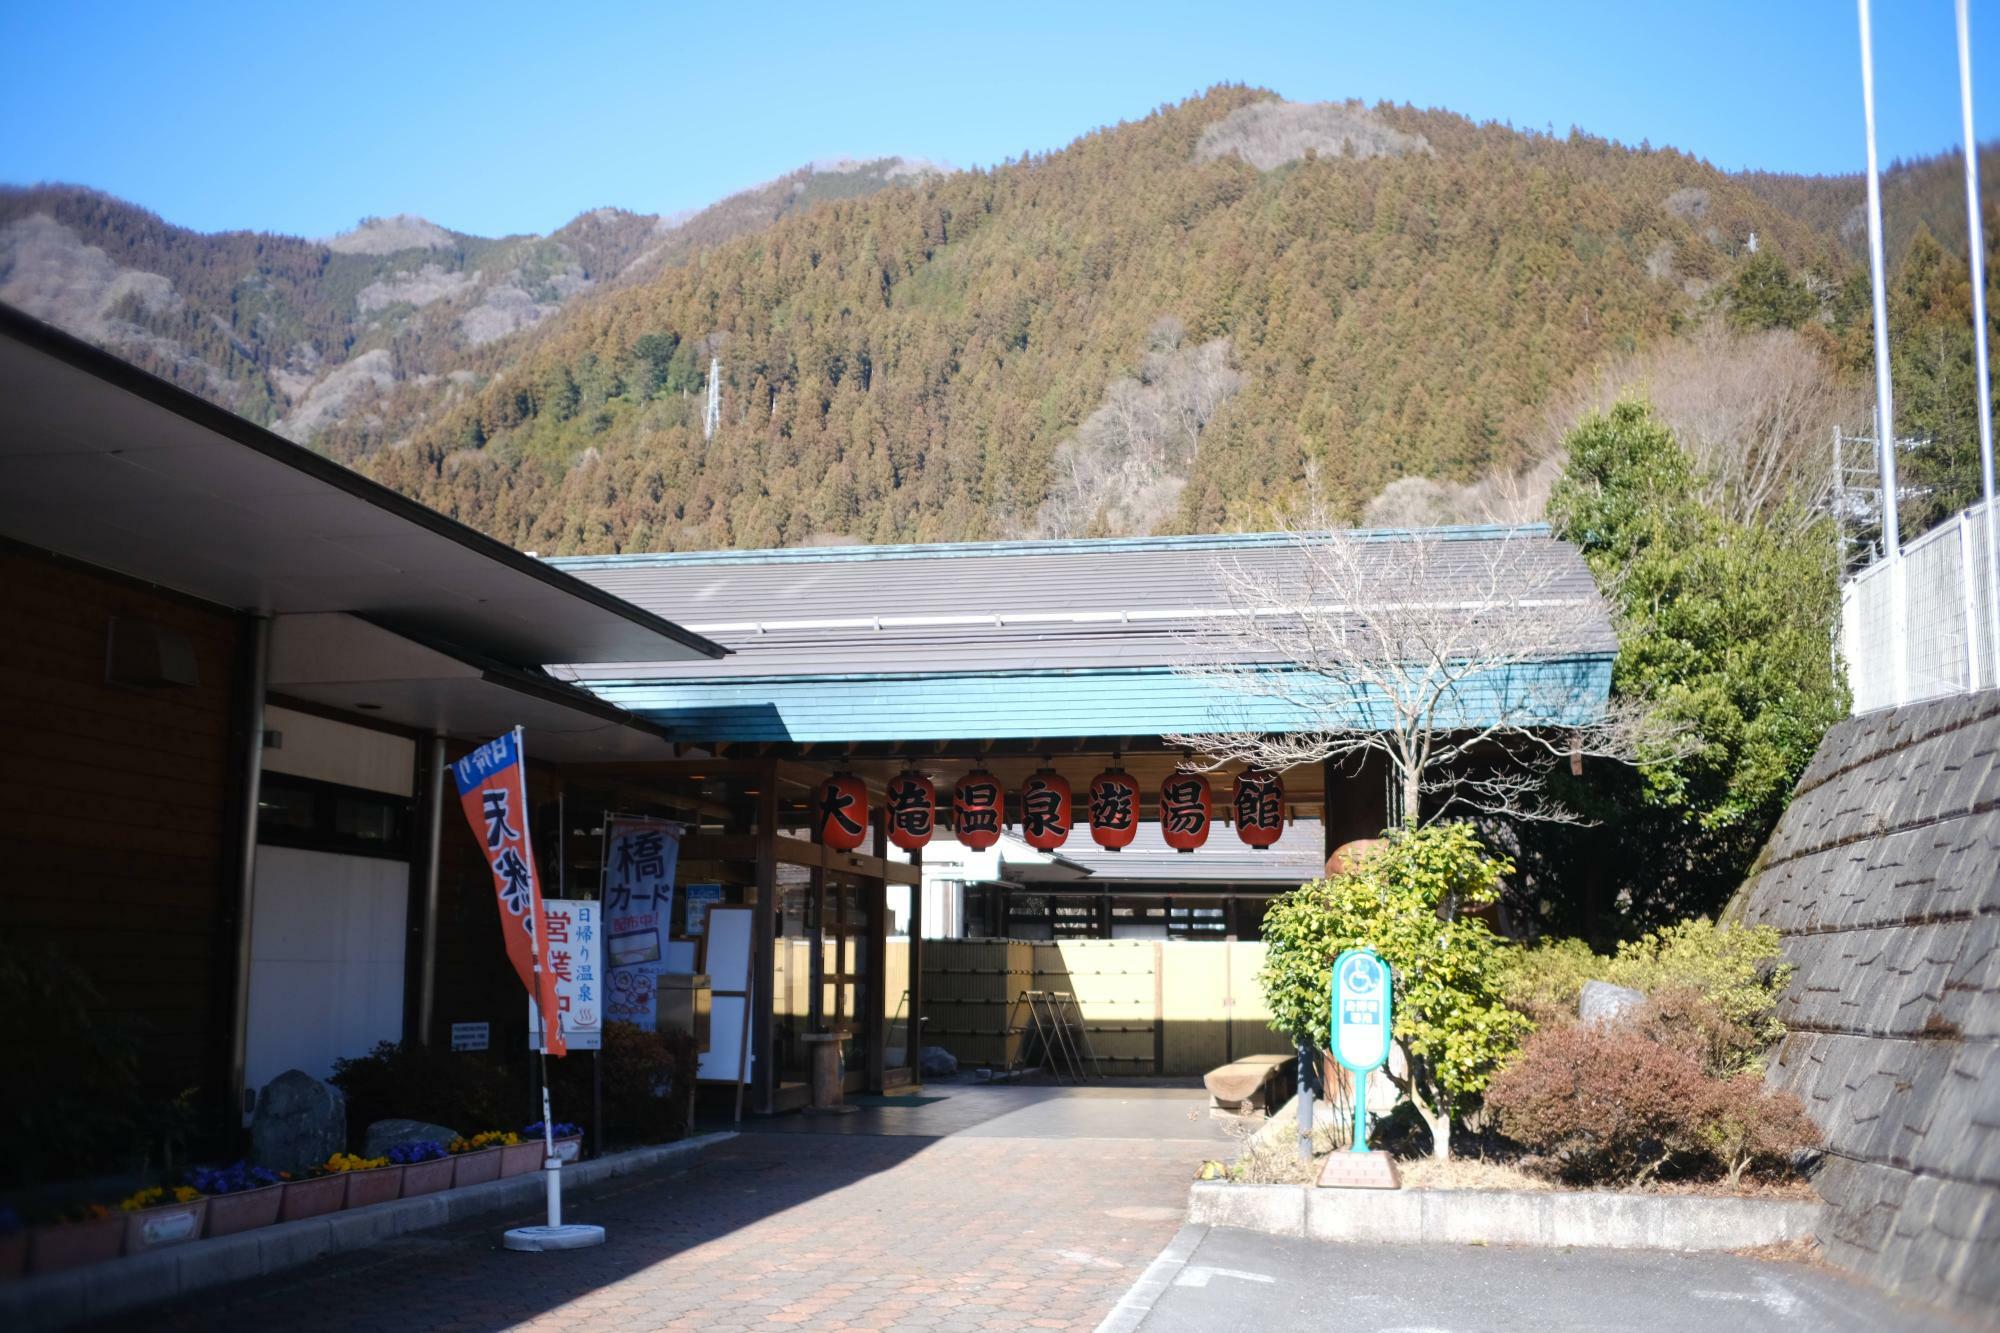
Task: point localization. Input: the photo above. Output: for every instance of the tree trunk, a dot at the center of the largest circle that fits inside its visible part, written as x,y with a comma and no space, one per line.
1437,1121
1413,795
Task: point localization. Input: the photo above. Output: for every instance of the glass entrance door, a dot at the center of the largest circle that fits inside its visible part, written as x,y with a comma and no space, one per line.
847,970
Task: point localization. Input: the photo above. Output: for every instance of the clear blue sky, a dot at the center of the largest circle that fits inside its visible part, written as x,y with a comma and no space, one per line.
505,117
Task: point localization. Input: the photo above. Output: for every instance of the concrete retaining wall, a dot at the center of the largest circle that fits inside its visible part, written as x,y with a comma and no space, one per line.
56,1300
1884,877
1504,1217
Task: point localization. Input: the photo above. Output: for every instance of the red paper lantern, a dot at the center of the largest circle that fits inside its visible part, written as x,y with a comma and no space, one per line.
976,808
1186,810
1260,807
912,810
843,812
1045,813
1114,809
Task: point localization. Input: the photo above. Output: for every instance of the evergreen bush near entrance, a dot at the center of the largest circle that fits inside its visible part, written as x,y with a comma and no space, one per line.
1408,901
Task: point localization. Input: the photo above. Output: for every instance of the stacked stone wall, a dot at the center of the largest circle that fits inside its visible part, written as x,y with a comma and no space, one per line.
1884,878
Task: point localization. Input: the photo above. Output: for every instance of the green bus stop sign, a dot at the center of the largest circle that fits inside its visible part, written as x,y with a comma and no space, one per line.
1361,1019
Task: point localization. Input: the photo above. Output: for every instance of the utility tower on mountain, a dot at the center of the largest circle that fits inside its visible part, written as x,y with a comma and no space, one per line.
711,417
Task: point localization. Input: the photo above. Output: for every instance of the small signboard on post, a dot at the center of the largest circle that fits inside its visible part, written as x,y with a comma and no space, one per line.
575,945
1361,1022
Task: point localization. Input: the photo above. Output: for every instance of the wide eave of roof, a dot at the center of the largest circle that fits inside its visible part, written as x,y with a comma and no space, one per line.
109,465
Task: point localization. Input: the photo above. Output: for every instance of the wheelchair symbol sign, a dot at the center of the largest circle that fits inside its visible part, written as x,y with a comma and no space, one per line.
1361,1004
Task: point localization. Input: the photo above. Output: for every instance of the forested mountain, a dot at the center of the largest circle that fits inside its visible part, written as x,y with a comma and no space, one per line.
1378,291
1166,325
324,340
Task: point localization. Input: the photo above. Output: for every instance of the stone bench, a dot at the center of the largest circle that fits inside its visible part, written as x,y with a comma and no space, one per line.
1253,1085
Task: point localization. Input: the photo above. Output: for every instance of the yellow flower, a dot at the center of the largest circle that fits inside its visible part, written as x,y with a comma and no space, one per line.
344,1161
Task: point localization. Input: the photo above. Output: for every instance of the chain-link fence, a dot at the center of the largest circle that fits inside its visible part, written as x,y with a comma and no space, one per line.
1947,638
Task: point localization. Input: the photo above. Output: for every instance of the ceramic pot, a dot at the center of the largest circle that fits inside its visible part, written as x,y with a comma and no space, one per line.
245,1210
476,1168
377,1185
149,1229
313,1197
57,1246
428,1177
518,1159
13,1253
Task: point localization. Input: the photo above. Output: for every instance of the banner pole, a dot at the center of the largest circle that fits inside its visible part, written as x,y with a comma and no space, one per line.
554,1235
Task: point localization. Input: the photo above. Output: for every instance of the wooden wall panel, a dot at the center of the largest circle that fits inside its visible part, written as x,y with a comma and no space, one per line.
118,808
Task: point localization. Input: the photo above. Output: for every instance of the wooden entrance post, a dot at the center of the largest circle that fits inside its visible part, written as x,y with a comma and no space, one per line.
764,940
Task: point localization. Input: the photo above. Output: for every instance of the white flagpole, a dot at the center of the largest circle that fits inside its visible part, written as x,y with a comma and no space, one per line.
1885,408
1975,244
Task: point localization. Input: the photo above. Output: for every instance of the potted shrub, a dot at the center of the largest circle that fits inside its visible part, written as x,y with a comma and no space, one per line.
88,1236
427,1166
568,1137
314,1195
159,1217
477,1159
369,1179
240,1197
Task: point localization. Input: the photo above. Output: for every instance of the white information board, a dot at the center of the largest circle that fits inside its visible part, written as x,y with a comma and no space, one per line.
575,947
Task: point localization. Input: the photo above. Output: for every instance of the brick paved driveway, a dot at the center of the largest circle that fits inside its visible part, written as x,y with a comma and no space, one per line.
1003,1207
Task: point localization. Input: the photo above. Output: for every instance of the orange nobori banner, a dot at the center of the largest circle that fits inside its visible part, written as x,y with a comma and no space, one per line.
493,789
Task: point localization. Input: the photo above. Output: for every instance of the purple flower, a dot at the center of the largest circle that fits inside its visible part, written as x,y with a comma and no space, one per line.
230,1179
409,1154
563,1130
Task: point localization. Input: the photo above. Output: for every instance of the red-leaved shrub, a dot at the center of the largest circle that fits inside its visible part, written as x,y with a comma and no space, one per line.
1605,1104
1746,1124
1613,1105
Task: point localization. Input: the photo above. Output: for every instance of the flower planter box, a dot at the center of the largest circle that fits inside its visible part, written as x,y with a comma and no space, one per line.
570,1149
518,1159
63,1245
428,1177
149,1229
13,1253
379,1185
245,1210
476,1168
312,1198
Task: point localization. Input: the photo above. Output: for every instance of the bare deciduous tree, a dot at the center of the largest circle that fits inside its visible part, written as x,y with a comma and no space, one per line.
1755,411
1125,466
1442,652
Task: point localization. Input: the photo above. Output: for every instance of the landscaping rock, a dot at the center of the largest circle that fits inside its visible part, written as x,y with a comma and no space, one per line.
1602,1002
937,1062
386,1134
300,1122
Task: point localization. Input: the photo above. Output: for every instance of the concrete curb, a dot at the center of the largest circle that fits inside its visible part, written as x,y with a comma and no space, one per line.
53,1300
1503,1217
1138,1302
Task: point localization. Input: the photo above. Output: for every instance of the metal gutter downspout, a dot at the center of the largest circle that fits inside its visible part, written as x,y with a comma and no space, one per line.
435,777
246,901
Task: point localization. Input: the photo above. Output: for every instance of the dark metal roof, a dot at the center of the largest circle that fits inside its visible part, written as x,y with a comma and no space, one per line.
106,464
1012,606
